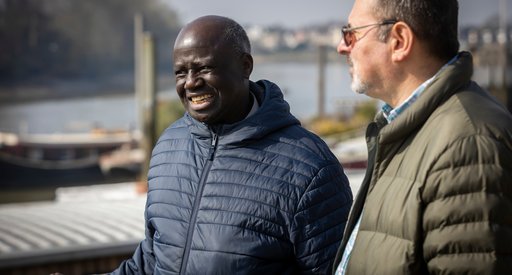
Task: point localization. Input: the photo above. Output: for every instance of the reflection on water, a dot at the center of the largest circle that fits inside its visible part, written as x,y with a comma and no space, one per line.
299,81
69,115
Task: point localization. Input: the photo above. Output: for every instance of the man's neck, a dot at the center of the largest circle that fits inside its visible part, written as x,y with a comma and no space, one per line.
415,75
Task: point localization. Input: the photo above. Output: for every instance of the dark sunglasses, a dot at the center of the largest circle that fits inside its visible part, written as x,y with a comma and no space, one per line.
349,33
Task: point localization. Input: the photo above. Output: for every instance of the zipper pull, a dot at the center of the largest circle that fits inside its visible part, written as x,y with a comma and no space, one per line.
214,145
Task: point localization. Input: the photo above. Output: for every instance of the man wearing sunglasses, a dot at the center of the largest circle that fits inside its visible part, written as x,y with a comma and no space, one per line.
437,195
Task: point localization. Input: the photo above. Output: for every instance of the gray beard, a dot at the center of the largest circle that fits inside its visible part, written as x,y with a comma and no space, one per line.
358,86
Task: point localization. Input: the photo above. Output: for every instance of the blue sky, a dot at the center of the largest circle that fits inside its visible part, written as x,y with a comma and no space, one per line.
294,13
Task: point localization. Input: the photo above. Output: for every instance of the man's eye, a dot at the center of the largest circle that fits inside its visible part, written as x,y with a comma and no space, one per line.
206,69
180,73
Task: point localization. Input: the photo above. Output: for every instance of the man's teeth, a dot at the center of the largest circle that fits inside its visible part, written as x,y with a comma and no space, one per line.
199,98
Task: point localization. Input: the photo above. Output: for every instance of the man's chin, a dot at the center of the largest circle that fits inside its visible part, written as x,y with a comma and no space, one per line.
356,88
359,91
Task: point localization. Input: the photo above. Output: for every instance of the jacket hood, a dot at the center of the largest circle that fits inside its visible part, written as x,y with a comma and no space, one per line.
272,115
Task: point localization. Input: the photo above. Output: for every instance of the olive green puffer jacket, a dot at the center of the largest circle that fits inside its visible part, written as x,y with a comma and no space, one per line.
437,197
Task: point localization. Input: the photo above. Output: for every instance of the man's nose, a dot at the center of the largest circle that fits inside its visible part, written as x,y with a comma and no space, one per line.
342,48
192,80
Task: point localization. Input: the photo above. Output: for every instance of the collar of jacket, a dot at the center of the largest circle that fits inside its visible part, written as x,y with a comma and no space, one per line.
273,115
450,81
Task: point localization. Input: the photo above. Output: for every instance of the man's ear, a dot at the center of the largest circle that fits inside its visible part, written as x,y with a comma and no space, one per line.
247,63
402,41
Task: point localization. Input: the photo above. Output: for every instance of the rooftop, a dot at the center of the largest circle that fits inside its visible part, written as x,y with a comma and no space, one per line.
82,222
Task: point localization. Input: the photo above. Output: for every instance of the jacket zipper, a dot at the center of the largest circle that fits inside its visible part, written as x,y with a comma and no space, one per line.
197,200
358,205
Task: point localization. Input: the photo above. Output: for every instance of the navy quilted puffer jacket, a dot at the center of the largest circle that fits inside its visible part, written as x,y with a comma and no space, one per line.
261,196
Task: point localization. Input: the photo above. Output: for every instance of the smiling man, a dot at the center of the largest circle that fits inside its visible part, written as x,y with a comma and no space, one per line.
237,186
212,76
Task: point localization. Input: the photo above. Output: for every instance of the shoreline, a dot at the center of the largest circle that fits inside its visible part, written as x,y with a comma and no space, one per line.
123,82
29,95
60,89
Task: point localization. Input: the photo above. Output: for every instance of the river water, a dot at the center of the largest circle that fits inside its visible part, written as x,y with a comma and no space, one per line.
298,81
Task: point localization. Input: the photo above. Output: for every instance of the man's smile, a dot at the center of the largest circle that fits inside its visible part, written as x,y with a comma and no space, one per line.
198,99
201,101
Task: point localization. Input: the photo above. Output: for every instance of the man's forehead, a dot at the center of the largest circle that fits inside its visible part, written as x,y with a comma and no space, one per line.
362,11
198,38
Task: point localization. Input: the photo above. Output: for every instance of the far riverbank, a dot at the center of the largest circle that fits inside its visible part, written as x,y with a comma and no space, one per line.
48,88
55,89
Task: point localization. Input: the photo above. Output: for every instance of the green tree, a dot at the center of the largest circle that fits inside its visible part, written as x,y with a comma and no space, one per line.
24,31
76,37
167,112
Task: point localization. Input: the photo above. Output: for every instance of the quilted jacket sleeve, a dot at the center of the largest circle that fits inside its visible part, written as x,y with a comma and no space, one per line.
143,260
467,220
320,219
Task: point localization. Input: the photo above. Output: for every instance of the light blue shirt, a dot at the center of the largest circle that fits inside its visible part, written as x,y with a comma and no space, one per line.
390,114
